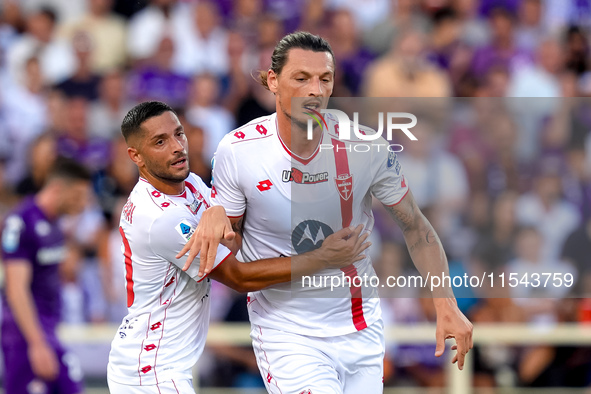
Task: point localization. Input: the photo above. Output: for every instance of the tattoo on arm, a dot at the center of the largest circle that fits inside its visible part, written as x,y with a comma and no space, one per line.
404,214
410,220
237,226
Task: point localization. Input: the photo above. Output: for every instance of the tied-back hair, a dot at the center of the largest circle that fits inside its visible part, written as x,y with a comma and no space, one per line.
299,39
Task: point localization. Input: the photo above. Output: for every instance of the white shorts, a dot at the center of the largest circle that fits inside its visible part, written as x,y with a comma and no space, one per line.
294,364
183,386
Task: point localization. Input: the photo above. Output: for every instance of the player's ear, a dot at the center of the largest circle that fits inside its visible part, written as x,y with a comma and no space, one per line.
272,81
135,156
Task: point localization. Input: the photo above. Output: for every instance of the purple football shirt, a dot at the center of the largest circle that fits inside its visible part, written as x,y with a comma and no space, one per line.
27,234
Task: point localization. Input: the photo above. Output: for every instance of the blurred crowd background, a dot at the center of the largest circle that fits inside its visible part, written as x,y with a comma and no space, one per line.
506,182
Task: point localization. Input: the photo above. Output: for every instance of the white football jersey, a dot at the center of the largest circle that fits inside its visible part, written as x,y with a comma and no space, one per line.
164,332
291,205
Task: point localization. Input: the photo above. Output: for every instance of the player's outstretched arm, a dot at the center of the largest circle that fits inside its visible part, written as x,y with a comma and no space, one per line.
428,256
213,228
338,250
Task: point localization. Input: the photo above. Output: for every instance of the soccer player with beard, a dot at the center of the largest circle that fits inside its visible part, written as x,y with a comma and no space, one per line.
164,331
306,342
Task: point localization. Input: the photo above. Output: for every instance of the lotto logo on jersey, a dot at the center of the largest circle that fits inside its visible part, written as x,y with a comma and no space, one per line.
300,177
185,230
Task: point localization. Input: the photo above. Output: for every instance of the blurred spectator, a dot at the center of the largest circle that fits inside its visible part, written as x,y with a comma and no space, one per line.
112,269
119,179
203,111
42,156
313,17
107,113
437,179
540,79
504,171
55,55
258,101
404,15
246,17
417,361
10,25
494,248
66,9
494,83
85,295
576,252
445,37
578,181
530,26
502,51
198,164
351,58
577,50
367,13
7,198
107,33
546,210
243,64
406,72
529,261
25,117
202,48
157,81
148,27
474,31
269,31
84,82
75,143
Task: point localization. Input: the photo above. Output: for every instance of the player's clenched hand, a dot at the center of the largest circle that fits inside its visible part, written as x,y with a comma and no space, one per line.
451,323
213,226
344,247
43,361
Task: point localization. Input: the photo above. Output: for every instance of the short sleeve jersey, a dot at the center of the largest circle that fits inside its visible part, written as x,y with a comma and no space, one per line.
291,204
165,329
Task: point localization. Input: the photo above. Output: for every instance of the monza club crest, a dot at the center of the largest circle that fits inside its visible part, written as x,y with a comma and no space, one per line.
344,184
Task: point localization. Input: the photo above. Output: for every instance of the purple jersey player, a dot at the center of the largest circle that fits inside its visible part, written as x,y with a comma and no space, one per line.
32,248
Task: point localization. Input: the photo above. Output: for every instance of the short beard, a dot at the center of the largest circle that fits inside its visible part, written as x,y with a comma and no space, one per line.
299,124
170,178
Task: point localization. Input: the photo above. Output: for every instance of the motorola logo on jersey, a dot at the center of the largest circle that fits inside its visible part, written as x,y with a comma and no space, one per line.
309,235
300,177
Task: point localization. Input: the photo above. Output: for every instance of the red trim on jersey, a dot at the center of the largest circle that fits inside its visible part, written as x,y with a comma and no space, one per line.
356,299
128,269
267,358
298,158
177,390
214,268
235,217
191,187
399,201
342,168
139,357
251,139
164,319
155,203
